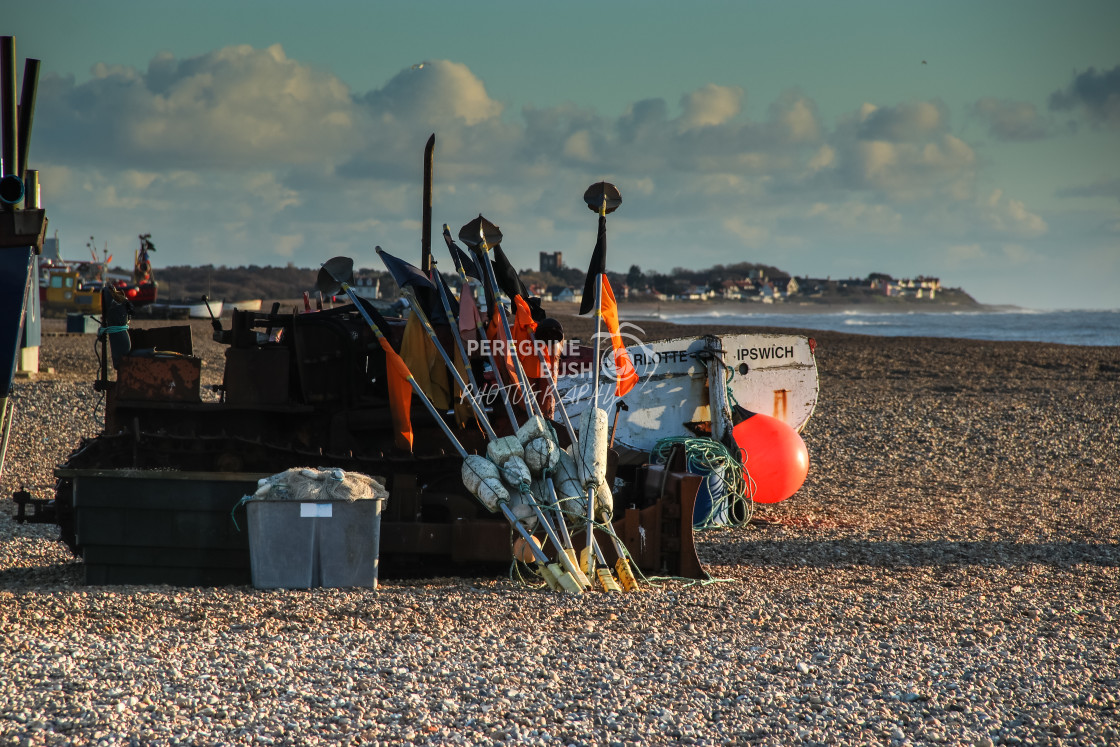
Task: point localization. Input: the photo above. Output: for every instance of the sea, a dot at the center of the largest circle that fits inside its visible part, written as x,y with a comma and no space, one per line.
1067,327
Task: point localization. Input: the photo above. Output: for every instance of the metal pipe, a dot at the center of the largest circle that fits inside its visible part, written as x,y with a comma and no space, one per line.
595,404
426,221
8,118
32,197
26,113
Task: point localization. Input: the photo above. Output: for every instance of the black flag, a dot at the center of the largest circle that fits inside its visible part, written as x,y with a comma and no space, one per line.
410,276
463,262
508,281
451,300
597,267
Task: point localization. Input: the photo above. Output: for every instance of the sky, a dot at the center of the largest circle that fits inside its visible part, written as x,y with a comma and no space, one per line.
974,142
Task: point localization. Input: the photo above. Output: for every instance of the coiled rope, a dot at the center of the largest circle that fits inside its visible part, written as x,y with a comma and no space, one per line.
705,456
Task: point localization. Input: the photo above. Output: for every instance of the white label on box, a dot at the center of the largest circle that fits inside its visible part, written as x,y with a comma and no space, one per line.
315,510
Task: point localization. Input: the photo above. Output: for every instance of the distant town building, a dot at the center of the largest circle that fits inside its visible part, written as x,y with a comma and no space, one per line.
552,261
785,286
696,294
815,286
567,295
367,287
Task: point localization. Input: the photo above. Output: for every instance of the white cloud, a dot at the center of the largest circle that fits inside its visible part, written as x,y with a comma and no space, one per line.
1017,254
231,108
963,254
578,146
1010,120
908,122
286,245
856,217
1010,216
710,106
437,93
750,235
796,118
824,158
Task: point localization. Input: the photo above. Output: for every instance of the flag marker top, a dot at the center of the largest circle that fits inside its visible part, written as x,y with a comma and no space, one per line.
602,197
480,231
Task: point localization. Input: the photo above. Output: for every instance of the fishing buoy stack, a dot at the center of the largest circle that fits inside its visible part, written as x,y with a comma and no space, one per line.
487,479
527,473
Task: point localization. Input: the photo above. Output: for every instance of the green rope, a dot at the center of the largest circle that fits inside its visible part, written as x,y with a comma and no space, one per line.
244,499
113,330
731,394
706,456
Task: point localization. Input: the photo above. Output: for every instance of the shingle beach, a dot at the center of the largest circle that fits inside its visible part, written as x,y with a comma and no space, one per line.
948,574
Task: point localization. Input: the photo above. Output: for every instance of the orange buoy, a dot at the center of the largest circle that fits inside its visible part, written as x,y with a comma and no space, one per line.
522,551
774,455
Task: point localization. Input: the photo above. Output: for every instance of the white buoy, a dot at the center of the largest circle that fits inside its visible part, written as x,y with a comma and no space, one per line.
593,443
501,450
481,477
534,428
541,454
516,473
566,479
604,503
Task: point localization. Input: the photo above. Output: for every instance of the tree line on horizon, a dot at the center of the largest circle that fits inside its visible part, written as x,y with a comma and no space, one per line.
268,282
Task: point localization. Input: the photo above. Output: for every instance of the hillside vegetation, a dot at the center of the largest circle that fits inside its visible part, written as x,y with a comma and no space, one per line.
241,283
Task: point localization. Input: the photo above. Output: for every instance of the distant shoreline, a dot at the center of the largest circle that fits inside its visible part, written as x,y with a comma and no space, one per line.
672,309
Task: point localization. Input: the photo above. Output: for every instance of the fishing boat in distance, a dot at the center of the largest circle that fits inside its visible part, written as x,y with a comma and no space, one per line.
184,309
250,305
75,286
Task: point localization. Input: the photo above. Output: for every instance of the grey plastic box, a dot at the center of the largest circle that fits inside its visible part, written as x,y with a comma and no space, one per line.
297,545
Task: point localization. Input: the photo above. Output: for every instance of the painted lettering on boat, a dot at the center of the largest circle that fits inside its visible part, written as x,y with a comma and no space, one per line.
764,354
649,358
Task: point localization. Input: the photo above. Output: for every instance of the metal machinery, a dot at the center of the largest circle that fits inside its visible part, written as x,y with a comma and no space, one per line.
23,224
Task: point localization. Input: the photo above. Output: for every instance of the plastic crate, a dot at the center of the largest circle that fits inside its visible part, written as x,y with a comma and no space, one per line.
297,545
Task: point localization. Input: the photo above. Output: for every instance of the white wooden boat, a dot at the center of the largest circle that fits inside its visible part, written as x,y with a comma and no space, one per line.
193,309
772,374
250,305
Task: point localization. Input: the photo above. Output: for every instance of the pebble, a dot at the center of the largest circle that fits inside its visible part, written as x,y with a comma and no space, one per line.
947,574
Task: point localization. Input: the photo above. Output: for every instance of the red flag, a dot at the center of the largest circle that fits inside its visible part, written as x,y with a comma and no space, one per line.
400,395
523,329
625,373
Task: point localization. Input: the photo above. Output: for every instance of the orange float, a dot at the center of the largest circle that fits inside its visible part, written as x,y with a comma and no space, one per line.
523,552
774,455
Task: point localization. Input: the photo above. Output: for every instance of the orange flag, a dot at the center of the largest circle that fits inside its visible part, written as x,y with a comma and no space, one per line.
494,332
400,395
625,372
523,329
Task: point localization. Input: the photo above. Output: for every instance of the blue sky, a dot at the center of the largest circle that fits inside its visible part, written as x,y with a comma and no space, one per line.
806,135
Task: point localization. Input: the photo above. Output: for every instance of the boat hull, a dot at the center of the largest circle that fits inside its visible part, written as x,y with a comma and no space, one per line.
772,374
191,309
